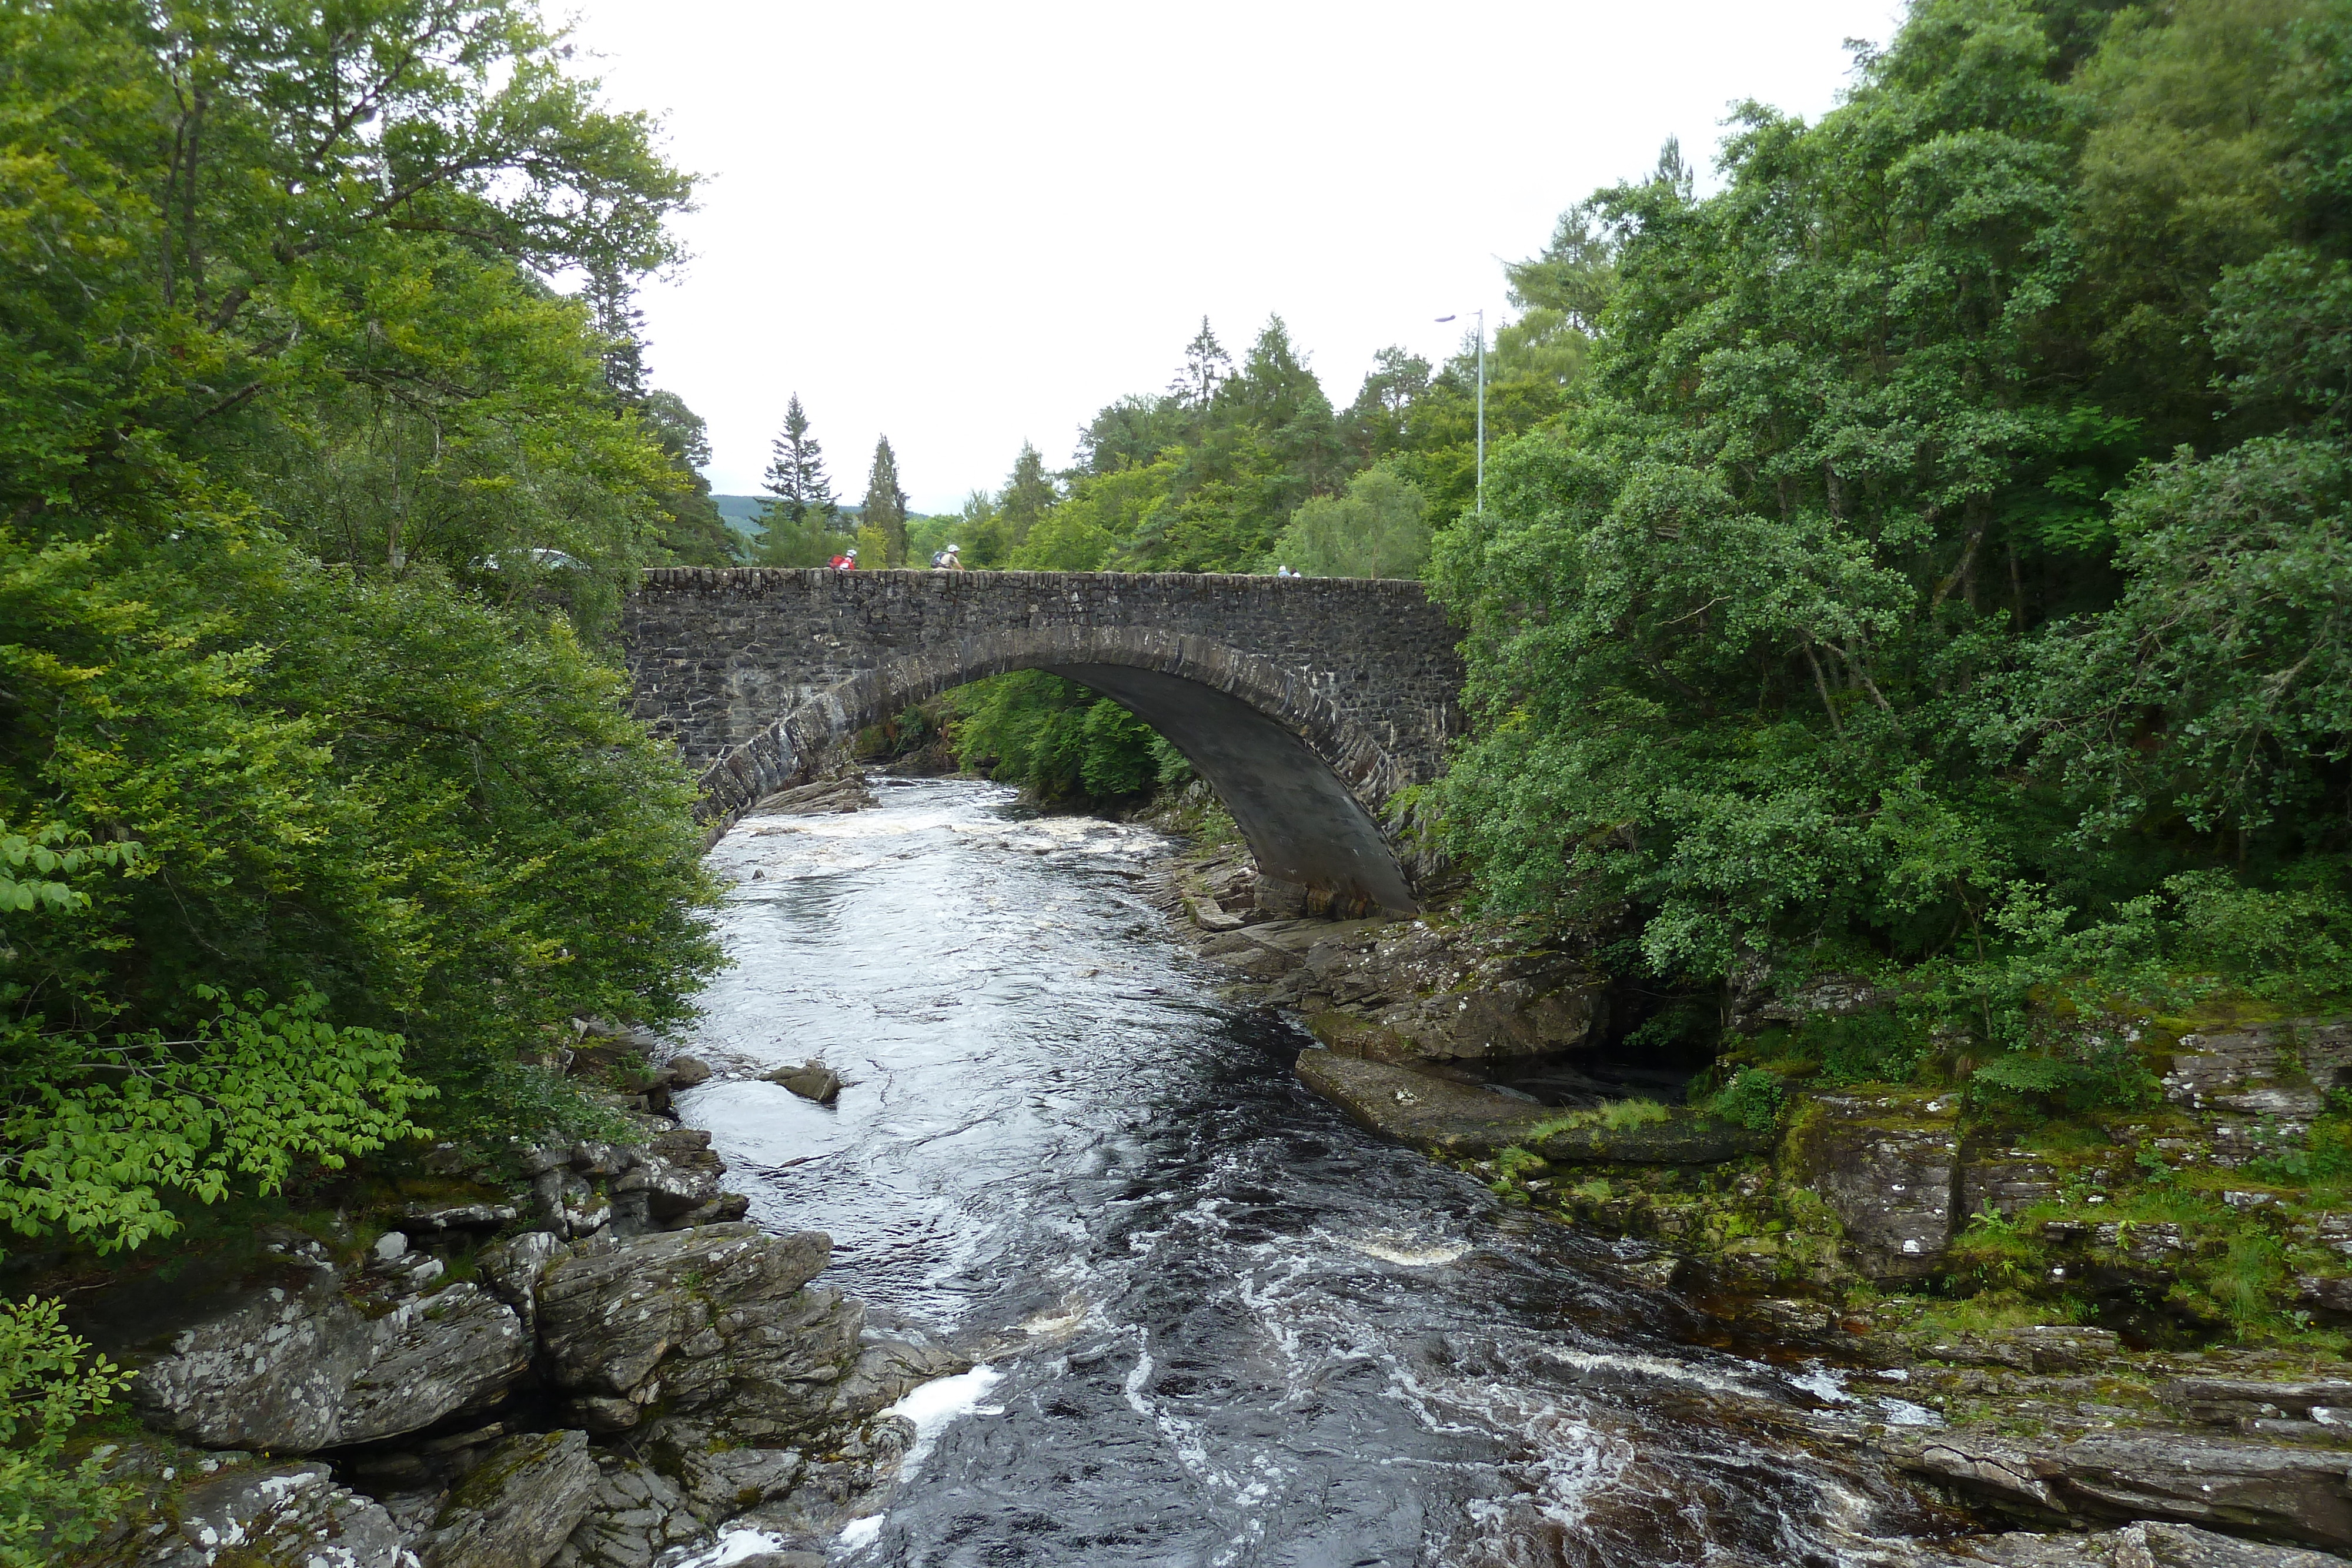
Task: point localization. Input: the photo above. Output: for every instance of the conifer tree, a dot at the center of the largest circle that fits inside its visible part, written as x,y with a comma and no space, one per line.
1026,496
796,476
886,504
1206,366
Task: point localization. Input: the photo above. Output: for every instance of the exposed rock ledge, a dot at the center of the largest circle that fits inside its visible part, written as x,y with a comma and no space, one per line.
466,1425
1464,1120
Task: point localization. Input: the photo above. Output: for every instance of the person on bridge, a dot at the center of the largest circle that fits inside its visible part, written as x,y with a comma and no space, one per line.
948,560
845,561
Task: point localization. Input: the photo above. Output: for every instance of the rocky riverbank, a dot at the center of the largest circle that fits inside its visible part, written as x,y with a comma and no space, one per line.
573,1353
589,1361
2122,1330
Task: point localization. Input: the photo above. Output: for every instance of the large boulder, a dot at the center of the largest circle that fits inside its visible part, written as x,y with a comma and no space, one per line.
268,1516
512,1269
518,1506
1885,1164
683,1315
296,1367
1398,992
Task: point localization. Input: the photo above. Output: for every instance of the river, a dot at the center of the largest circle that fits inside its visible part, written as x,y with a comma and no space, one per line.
1218,1325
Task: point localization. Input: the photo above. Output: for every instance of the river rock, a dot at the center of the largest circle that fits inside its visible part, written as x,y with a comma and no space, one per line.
569,1205
848,793
513,1267
278,1516
2226,1401
655,1191
2148,1544
516,1508
431,1358
2043,1348
1682,1139
1886,1165
2295,1496
724,1482
719,1302
1415,1108
296,1369
635,1515
2005,1180
810,1081
687,1072
1401,990
1473,1122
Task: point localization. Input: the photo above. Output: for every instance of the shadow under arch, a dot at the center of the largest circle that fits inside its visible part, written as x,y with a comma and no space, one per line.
1302,783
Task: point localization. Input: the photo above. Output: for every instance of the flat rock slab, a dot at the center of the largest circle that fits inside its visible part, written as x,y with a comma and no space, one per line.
1460,1119
2292,1495
1413,1108
2149,1544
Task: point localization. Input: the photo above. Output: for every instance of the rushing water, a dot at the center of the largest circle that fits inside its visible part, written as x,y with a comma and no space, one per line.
1220,1325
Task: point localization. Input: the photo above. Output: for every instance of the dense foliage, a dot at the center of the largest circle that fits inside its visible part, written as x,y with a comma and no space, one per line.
317,809
1242,469
1942,559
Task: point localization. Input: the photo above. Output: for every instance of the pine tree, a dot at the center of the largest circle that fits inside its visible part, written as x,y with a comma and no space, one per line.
796,476
612,303
1026,496
1206,366
886,504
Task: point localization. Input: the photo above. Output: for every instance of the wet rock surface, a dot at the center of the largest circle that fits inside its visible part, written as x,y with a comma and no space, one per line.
299,1367
2295,1495
2148,1544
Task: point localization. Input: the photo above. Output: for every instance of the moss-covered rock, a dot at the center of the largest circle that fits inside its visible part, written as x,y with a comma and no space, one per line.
1885,1164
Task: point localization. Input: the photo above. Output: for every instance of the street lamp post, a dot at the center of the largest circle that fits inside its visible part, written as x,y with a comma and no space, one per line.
1481,314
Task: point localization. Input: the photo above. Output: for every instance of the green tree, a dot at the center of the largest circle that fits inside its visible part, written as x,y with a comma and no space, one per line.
1026,496
319,495
796,476
1376,422
1090,529
697,535
980,529
885,506
1834,617
1131,432
1377,527
48,1380
1206,368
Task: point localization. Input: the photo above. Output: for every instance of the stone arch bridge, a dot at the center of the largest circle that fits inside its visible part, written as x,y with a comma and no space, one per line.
1307,703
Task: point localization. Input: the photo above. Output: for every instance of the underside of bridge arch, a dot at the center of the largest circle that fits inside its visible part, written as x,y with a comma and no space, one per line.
1303,825
1299,778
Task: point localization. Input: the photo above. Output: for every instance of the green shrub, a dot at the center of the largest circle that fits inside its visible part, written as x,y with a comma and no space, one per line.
1753,1098
48,1380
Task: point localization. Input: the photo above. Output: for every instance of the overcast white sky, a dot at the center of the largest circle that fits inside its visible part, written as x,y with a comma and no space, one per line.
967,226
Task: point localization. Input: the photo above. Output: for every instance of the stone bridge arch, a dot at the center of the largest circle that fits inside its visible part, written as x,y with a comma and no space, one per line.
1307,703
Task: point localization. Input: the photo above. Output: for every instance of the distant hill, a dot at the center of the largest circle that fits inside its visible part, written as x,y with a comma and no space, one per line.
742,513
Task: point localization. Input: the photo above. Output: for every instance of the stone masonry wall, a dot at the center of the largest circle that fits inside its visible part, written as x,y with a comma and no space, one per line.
720,656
